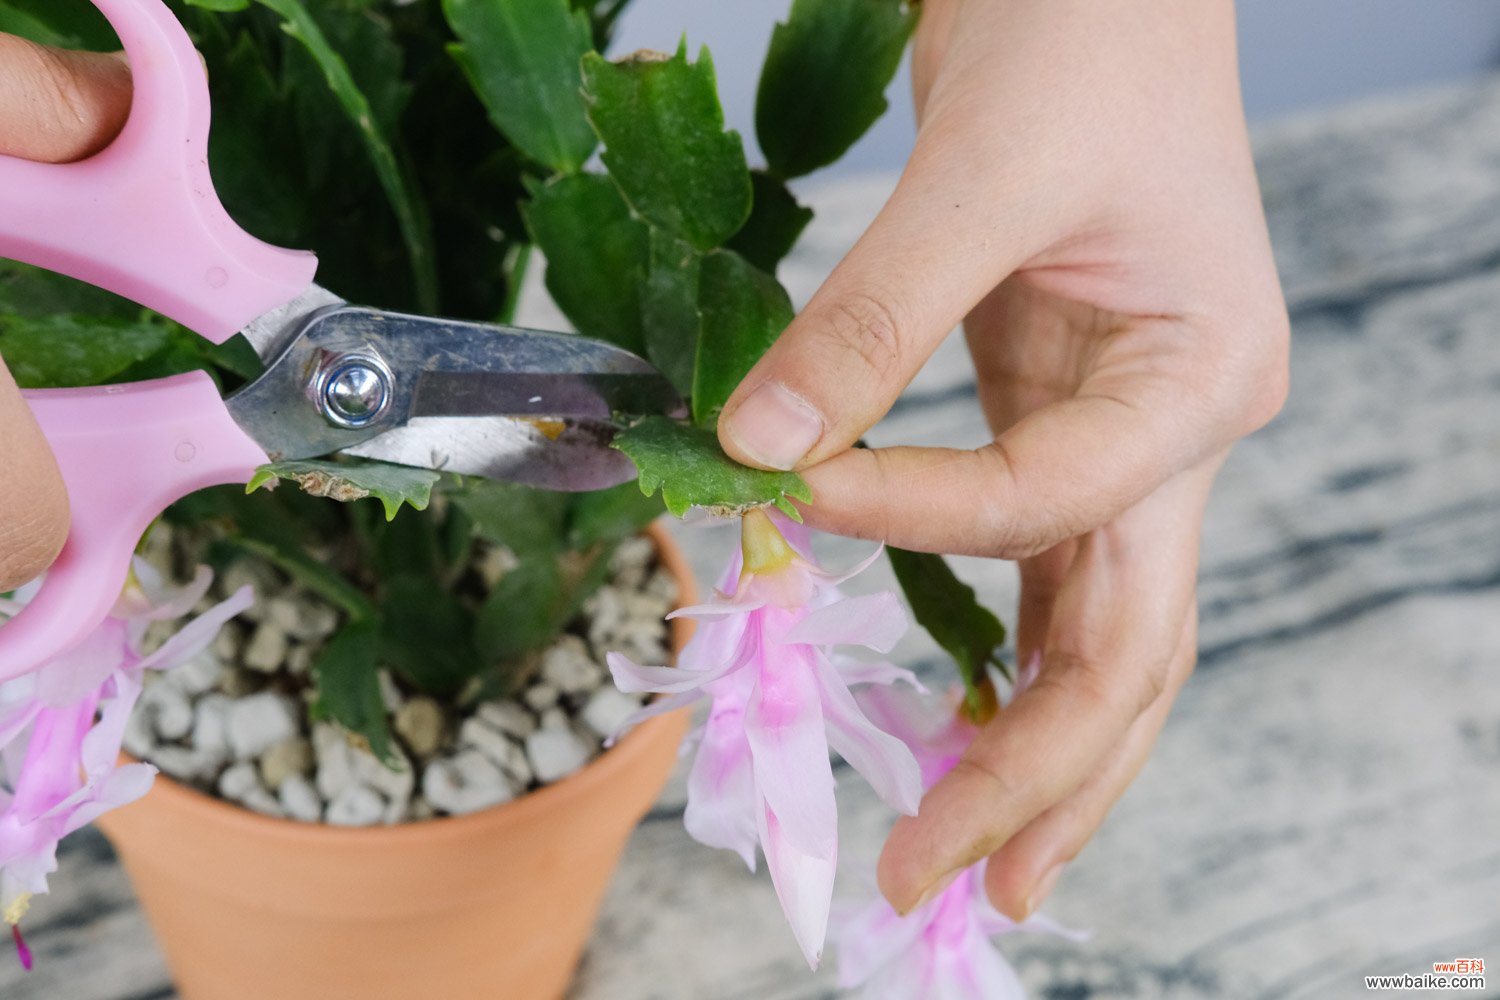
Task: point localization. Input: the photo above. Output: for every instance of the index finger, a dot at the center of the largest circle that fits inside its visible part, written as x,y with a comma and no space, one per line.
1116,624
1145,414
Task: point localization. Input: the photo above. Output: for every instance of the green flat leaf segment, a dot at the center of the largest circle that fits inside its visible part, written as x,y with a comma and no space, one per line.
392,485
66,350
401,192
349,688
690,469
522,58
742,311
775,223
950,611
665,143
824,79
597,255
669,308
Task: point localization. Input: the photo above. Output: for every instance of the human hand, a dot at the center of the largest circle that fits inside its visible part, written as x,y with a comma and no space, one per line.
56,107
1082,188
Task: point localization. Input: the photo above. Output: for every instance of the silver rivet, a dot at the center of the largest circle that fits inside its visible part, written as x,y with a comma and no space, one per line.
353,390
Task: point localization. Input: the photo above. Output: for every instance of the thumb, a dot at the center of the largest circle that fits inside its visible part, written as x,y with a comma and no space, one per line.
33,500
940,244
58,106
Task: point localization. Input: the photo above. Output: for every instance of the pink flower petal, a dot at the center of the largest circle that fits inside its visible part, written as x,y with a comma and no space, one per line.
784,723
724,606
168,603
722,800
876,621
883,760
121,787
974,971
870,938
875,672
828,579
804,885
633,678
101,746
713,643
660,706
198,634
51,773
68,679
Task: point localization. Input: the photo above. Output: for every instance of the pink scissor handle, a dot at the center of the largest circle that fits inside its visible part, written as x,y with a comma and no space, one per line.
141,218
126,453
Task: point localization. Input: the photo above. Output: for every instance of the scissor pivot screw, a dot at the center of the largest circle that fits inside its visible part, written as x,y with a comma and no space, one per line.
353,390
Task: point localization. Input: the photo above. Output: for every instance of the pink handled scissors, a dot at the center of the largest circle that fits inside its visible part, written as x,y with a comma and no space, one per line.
141,219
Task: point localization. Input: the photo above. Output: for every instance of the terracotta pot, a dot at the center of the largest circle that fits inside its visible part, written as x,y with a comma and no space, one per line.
498,904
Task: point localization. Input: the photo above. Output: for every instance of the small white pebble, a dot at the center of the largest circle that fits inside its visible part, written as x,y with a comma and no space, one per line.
540,696
555,753
299,799
290,757
567,666
266,650
390,694
464,783
357,806
238,780
258,722
197,676
607,710
506,716
211,725
420,723
168,708
502,751
182,763
263,802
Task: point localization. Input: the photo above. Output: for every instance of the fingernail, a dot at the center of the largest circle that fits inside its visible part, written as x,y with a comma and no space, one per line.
934,890
775,427
1043,889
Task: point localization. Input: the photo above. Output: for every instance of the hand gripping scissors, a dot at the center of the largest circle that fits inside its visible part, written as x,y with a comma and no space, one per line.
141,219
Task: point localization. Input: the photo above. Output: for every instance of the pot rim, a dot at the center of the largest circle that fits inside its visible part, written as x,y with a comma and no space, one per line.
601,769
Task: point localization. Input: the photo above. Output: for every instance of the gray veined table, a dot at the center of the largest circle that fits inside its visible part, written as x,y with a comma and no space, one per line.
1325,802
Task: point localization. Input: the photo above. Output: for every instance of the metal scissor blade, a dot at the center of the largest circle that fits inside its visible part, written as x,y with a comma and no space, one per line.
465,397
568,455
273,332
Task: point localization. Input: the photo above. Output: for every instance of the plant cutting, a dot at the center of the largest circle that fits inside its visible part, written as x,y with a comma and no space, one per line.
429,657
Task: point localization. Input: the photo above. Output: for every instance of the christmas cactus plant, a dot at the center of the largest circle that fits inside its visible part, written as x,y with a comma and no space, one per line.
429,151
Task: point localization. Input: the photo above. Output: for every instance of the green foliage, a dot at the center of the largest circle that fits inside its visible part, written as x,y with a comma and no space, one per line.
604,516
411,213
743,310
824,79
66,350
392,485
665,143
669,308
776,221
947,608
687,465
522,58
348,689
427,635
67,25
596,255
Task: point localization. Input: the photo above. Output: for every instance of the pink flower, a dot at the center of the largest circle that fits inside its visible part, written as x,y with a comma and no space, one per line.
943,949
778,701
61,728
940,951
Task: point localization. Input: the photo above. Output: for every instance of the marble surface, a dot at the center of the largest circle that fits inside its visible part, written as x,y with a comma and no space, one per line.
1325,802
